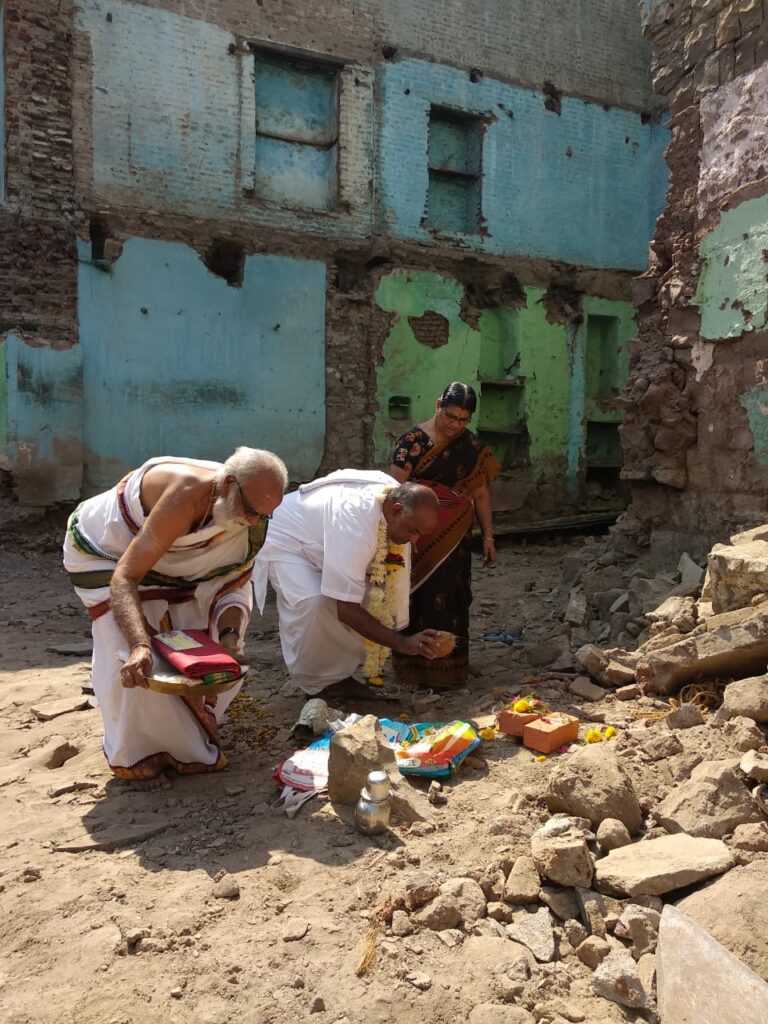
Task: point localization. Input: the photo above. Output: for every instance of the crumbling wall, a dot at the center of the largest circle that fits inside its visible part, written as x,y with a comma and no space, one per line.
695,432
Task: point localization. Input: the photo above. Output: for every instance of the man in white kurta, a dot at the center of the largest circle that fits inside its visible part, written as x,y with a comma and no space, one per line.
317,555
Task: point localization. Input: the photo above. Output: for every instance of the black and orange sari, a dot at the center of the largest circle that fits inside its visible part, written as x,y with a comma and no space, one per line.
441,573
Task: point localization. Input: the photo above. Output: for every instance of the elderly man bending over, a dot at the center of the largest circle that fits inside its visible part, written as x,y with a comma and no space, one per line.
338,556
172,546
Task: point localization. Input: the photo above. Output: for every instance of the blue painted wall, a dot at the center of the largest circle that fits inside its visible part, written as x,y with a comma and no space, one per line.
584,186
176,361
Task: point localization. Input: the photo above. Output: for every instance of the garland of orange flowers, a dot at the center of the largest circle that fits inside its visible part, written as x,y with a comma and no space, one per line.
381,599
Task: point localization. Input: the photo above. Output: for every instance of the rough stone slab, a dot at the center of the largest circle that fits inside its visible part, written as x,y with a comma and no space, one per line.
598,912
616,978
535,932
563,858
112,838
710,804
562,902
734,910
592,784
733,648
523,882
737,573
751,838
698,980
755,766
747,698
657,866
53,709
582,687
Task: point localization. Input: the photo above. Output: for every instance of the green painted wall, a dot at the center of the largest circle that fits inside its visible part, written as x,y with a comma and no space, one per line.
756,404
539,384
733,275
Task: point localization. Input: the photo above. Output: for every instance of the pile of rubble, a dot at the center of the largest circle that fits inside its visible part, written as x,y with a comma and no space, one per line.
721,635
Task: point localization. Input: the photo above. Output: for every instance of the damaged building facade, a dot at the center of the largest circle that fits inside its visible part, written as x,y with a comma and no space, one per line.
235,223
695,436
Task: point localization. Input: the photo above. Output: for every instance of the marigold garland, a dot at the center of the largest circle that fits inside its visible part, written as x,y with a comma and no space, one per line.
381,600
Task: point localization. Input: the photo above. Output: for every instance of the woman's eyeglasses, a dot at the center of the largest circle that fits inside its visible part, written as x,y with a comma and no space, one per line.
460,421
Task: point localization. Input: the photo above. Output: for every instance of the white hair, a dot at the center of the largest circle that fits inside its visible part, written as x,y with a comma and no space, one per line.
245,463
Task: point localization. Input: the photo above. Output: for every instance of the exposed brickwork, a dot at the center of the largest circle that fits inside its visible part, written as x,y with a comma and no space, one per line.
40,215
688,449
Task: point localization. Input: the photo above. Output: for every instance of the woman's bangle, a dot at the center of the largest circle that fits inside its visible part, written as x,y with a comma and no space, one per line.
227,630
142,643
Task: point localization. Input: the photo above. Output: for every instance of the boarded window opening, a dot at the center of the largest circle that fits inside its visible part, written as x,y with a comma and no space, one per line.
431,329
454,154
297,131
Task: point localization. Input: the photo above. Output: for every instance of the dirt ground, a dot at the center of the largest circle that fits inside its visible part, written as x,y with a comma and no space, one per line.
134,933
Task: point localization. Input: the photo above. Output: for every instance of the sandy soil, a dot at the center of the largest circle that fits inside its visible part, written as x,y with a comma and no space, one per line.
134,933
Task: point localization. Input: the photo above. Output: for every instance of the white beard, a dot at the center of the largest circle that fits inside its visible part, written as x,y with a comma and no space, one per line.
226,512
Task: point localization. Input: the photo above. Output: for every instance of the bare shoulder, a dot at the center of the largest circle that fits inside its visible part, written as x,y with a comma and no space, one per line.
174,481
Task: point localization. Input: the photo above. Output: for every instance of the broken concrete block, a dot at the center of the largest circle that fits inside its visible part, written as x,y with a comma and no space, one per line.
523,882
562,857
734,644
751,838
561,902
755,766
582,687
592,659
598,912
710,804
617,674
592,951
641,926
747,698
616,978
360,749
684,717
675,609
743,734
630,692
535,932
691,574
645,595
656,866
576,612
612,834
737,573
592,784
699,980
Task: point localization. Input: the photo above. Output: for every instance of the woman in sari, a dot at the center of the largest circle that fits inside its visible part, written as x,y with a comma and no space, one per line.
449,458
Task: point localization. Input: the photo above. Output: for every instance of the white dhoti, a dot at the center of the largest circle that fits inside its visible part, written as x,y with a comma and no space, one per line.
318,551
190,587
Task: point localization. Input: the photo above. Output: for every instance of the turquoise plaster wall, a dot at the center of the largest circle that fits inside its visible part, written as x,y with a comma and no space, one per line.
733,275
584,186
756,404
176,361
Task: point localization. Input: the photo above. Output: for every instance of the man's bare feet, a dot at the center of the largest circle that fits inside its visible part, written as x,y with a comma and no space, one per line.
161,781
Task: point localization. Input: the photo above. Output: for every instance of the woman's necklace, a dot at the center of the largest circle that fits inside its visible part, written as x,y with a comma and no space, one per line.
380,600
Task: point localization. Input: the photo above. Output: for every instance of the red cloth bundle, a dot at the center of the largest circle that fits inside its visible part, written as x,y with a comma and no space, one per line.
196,656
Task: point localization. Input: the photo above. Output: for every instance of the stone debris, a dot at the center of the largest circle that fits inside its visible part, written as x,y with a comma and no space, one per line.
751,838
743,734
710,804
226,888
684,717
646,972
294,931
640,925
616,978
657,866
592,951
592,784
419,980
737,572
401,923
562,902
699,980
358,750
523,882
420,889
755,765
534,931
468,898
54,709
575,932
747,698
582,687
561,856
734,910
611,834
499,1013
599,912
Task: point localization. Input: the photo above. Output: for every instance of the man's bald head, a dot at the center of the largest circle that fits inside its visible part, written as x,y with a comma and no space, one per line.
411,511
